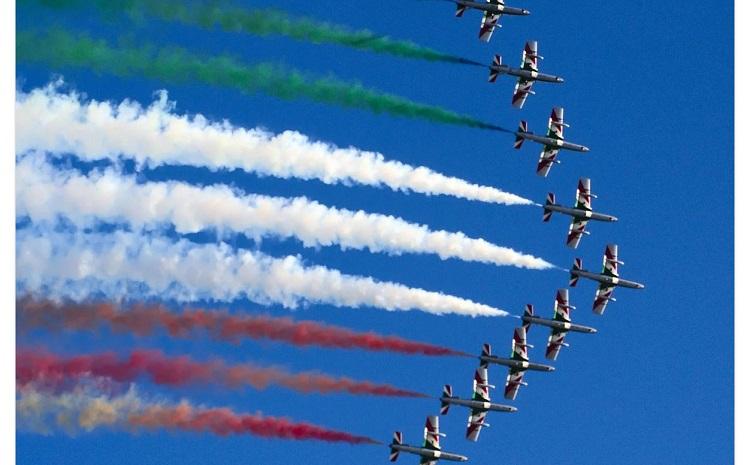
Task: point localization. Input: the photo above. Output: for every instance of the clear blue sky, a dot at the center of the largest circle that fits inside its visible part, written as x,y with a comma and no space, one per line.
648,86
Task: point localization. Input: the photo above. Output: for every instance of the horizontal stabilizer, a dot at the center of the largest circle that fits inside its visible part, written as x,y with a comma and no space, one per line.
577,265
460,10
550,201
523,127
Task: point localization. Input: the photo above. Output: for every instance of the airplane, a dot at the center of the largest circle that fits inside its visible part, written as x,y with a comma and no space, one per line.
430,451
581,213
493,10
552,142
517,364
608,279
479,403
527,73
560,323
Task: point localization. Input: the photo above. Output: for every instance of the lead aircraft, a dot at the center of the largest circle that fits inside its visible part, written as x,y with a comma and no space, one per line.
608,279
581,212
479,403
527,73
553,142
517,364
493,10
560,323
430,451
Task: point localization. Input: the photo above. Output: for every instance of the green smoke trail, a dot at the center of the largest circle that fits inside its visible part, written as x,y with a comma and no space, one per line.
260,22
58,48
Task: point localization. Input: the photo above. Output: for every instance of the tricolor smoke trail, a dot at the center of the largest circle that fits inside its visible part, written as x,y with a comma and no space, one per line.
60,123
175,65
262,22
43,193
35,366
144,319
85,409
123,264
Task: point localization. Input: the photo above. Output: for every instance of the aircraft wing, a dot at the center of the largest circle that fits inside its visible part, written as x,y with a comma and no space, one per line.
583,194
476,421
432,433
489,23
521,91
555,343
577,227
546,160
556,123
603,296
610,261
513,383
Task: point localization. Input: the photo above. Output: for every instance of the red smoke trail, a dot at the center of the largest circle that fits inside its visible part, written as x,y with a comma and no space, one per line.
144,319
224,421
54,371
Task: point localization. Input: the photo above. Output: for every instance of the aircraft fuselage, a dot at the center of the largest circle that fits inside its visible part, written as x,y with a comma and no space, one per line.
493,8
580,213
552,142
516,364
567,326
525,73
424,452
478,404
606,279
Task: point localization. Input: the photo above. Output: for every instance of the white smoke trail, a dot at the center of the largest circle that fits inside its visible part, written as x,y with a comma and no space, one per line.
83,408
42,193
47,119
122,264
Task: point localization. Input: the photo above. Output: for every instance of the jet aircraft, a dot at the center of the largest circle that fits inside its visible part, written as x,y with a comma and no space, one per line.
581,213
527,73
493,10
560,323
553,142
608,279
517,364
430,451
479,403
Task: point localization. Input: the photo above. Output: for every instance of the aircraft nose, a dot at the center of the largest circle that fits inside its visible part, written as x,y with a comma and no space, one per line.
641,286
526,12
584,149
614,219
559,79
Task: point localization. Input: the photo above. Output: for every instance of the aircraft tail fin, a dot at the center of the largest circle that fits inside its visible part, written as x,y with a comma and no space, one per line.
550,201
577,265
523,127
528,310
486,352
460,10
447,392
397,439
497,61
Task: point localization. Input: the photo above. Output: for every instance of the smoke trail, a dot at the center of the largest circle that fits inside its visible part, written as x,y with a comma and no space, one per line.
49,369
85,409
43,194
63,123
175,65
145,319
224,421
135,266
262,22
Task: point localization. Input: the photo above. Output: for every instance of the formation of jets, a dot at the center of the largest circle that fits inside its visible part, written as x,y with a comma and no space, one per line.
581,213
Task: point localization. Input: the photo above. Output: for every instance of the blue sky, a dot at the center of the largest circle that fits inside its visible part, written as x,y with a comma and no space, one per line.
647,87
